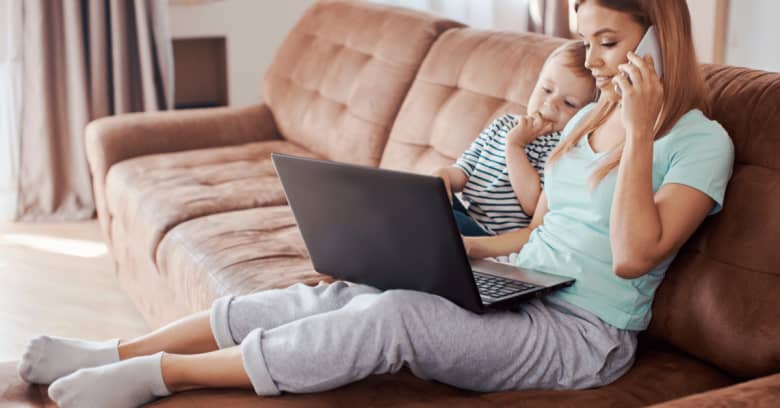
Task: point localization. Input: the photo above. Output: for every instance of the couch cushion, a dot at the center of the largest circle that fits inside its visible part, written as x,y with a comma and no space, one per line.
658,376
234,252
761,393
468,78
149,195
338,80
719,300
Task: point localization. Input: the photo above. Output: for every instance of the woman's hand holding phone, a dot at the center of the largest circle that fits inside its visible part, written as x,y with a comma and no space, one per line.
642,96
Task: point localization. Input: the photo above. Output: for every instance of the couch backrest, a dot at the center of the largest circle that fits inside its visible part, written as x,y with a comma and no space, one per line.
720,300
338,80
468,78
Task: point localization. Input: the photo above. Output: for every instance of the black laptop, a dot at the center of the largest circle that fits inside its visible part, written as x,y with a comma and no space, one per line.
396,230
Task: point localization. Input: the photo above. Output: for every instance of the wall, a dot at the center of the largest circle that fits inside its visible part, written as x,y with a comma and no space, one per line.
703,15
510,15
254,29
753,38
751,32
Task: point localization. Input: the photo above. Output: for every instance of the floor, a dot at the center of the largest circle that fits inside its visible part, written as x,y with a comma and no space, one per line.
58,279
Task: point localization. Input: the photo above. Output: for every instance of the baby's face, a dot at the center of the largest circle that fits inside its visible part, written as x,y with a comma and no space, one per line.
560,93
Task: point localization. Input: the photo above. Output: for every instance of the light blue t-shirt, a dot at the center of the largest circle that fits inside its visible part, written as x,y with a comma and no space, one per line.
573,239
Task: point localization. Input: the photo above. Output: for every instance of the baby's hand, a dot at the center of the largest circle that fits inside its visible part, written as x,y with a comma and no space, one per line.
527,129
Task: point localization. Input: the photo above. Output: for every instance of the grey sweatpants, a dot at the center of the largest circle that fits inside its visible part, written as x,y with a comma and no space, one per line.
307,339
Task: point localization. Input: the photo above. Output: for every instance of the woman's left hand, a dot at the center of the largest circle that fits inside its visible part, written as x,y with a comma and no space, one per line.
641,98
472,246
468,244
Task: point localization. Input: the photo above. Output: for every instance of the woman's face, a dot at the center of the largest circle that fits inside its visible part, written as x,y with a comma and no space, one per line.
608,36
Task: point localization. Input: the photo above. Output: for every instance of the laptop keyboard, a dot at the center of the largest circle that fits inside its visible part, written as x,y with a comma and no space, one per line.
497,287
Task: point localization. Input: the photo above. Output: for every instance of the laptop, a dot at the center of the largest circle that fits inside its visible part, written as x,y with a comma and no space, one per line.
396,230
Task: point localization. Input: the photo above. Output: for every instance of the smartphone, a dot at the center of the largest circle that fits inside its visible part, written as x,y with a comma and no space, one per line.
649,45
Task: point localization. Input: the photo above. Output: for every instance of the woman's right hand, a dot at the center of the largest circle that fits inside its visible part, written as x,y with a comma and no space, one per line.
642,97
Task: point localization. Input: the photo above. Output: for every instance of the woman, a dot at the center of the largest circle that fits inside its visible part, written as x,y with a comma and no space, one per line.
632,179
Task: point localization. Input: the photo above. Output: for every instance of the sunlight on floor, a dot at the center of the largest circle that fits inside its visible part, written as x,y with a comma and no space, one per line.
73,247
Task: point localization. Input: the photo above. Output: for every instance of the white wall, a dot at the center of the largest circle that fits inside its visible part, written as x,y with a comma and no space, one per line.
253,30
753,38
511,15
703,13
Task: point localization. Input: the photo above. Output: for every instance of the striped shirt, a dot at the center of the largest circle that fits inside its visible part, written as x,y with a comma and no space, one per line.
488,194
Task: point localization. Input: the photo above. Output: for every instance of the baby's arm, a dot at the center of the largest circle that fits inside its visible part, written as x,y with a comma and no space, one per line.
522,175
454,178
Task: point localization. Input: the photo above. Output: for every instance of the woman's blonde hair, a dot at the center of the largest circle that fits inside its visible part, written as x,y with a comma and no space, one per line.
683,84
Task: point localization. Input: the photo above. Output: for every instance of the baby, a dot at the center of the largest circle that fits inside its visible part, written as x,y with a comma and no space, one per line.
501,174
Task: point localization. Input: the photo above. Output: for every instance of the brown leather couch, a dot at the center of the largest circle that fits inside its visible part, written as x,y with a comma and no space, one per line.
192,209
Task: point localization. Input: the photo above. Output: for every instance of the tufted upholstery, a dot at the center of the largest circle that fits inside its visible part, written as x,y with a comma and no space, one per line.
152,194
336,88
226,253
332,91
468,79
113,139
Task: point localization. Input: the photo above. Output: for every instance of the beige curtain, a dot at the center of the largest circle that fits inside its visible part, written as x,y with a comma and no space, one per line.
10,104
550,17
83,59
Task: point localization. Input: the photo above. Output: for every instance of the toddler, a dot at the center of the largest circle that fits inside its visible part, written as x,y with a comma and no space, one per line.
501,174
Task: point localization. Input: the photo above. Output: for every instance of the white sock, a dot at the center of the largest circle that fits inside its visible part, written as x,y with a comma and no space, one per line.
48,358
128,383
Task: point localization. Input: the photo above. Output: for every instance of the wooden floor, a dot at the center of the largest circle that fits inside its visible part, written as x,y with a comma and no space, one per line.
58,279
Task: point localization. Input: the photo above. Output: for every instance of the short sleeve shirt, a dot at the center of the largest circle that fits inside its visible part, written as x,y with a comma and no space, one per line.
573,239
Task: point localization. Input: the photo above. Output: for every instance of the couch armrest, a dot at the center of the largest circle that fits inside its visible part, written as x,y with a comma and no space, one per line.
113,139
758,393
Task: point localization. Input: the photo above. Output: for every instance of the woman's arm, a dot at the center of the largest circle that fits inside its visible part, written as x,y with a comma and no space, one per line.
508,242
645,228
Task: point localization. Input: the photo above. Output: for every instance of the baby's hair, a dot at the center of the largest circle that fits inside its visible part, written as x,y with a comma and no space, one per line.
574,53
